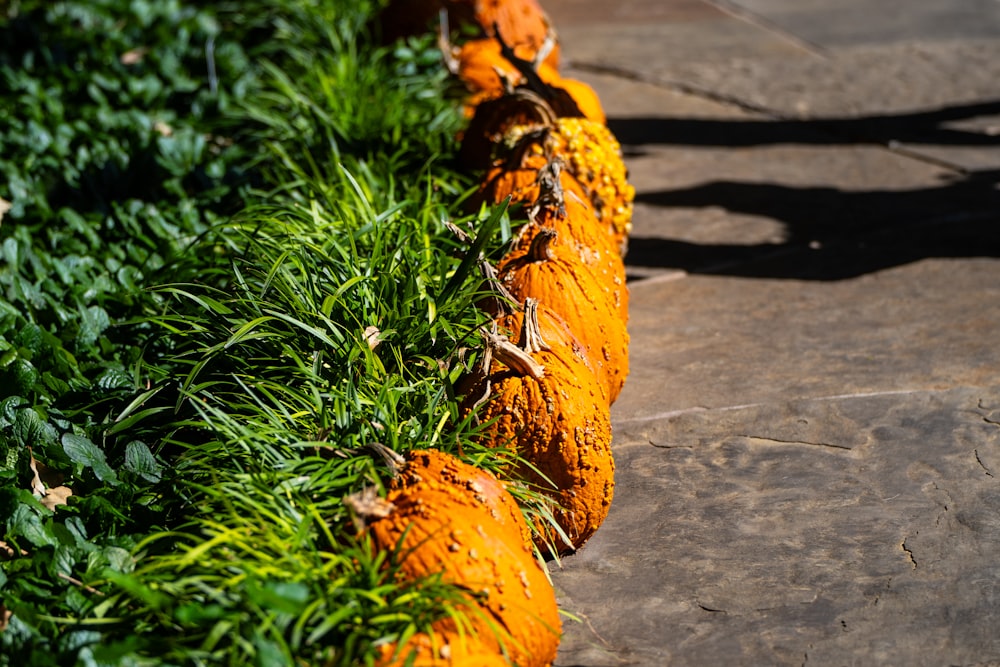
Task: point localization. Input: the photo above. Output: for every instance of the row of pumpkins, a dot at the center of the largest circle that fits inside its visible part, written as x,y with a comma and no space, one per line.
557,355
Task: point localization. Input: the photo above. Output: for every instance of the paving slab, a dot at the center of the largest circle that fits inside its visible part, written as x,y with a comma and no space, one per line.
856,22
708,342
808,444
819,59
829,531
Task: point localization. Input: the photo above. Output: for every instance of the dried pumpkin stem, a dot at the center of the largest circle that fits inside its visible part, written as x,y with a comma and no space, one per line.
547,45
514,357
531,332
538,104
525,67
550,191
392,459
367,504
556,97
458,232
505,300
444,44
540,249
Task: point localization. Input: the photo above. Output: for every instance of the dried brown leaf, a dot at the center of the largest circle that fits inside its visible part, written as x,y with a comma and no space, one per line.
372,337
365,505
56,496
133,56
37,488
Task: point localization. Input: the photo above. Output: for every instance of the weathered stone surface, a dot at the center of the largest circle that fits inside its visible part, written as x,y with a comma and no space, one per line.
808,447
723,190
716,341
828,531
798,60
856,22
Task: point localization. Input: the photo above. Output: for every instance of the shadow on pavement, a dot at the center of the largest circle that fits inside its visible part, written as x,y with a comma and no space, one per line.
924,127
830,234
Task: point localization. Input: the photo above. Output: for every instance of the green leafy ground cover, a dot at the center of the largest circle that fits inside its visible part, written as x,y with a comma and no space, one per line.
226,281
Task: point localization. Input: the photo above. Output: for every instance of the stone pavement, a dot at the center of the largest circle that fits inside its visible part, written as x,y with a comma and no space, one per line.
808,445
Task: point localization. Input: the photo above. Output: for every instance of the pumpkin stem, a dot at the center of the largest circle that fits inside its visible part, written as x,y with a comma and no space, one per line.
531,332
367,504
444,44
550,191
392,459
514,357
504,299
546,48
540,249
560,100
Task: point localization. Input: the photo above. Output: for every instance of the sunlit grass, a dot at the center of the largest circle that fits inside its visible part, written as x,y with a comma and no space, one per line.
260,366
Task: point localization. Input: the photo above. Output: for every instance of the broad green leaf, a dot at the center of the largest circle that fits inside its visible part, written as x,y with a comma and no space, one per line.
93,322
139,460
30,337
27,523
21,376
82,450
28,427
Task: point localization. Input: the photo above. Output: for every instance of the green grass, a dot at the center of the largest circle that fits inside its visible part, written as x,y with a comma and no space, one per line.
227,281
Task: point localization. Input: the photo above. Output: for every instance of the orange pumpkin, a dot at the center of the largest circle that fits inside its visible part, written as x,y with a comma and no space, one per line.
521,23
487,74
549,272
584,238
483,487
500,140
438,526
556,200
593,156
440,650
546,402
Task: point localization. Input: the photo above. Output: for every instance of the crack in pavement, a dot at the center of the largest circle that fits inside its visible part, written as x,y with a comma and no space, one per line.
981,464
741,13
756,438
659,446
669,414
909,554
710,609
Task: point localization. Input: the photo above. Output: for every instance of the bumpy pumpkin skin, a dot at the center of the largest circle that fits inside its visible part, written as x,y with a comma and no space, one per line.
593,155
581,236
484,489
520,22
553,274
569,212
440,650
560,423
440,527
